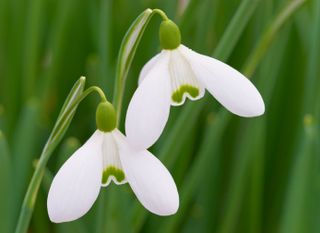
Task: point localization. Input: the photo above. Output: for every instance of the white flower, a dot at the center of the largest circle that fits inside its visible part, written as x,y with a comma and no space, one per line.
107,157
176,74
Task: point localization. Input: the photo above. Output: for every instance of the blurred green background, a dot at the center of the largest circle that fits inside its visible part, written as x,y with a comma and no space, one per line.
233,174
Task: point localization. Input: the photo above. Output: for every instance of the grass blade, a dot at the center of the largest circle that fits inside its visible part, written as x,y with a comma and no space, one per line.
127,51
26,137
270,33
6,180
64,119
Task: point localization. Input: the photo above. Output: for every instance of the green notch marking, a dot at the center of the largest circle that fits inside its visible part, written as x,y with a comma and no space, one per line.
112,171
178,94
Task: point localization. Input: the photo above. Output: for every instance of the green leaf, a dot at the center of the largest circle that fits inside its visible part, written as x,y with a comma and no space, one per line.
6,187
104,42
249,150
64,119
25,136
127,51
235,28
34,27
66,114
301,210
271,32
301,200
208,148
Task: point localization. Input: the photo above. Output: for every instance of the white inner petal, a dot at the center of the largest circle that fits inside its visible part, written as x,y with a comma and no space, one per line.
183,81
112,168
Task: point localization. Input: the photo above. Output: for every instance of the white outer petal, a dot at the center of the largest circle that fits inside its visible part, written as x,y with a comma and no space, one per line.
149,107
149,179
147,67
232,89
76,186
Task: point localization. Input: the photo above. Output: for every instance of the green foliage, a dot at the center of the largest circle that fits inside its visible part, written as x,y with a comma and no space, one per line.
6,180
233,174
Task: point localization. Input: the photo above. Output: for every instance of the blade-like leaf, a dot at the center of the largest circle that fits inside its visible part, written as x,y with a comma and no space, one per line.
300,192
66,115
6,184
25,136
64,119
301,210
127,51
76,91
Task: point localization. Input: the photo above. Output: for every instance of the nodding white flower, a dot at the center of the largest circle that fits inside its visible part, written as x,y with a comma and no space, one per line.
177,73
106,157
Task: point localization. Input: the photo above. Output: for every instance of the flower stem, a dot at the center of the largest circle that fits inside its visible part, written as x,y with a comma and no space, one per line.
98,90
53,141
161,13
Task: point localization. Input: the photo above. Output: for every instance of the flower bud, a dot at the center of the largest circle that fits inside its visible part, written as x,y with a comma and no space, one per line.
169,34
106,117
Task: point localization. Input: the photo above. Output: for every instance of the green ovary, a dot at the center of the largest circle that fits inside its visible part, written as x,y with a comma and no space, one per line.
112,171
178,94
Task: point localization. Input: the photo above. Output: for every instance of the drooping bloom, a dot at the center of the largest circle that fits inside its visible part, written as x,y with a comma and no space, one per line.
177,73
106,157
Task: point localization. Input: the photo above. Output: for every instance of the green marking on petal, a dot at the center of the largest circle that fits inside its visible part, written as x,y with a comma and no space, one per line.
178,94
112,171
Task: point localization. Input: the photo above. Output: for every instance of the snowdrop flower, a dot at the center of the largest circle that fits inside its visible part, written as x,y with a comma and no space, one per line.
177,73
106,157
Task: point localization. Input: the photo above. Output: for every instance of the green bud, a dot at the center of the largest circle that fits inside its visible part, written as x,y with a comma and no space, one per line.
106,117
169,34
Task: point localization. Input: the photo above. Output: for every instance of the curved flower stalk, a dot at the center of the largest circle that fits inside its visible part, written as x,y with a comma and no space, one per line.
106,157
177,73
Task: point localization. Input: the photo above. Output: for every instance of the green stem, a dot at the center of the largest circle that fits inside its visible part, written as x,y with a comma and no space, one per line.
98,90
73,105
161,13
53,141
29,200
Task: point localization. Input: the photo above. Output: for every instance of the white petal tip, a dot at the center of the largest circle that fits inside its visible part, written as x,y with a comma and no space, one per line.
149,179
57,216
260,111
76,186
169,209
254,110
57,219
